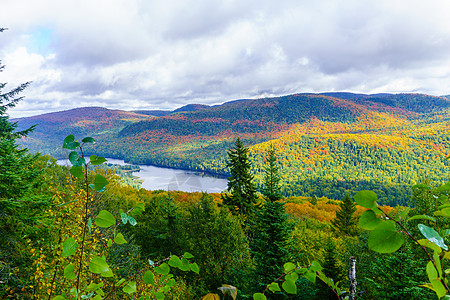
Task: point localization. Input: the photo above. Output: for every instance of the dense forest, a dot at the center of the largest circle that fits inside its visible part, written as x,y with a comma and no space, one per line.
329,144
330,196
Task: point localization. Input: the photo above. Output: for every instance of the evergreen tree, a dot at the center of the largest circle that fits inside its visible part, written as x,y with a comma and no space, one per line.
331,270
271,184
16,172
217,240
241,197
19,209
271,232
345,221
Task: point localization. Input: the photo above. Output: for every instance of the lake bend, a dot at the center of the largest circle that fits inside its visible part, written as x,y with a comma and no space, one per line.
158,178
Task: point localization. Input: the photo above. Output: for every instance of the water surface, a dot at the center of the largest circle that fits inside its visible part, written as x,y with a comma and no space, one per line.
156,178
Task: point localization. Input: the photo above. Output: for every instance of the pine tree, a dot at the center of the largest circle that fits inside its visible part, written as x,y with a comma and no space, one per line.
241,192
345,221
16,171
271,232
331,270
19,209
271,184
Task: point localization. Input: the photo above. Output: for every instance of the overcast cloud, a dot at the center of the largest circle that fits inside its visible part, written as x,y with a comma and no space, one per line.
162,54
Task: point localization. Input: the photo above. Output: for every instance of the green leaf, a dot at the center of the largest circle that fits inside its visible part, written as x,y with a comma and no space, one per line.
124,217
444,188
259,296
139,209
163,269
88,139
444,206
274,287
366,199
368,220
445,212
404,213
108,273
385,238
89,225
185,265
93,286
98,265
289,267
175,261
422,217
119,239
432,235
315,266
194,268
59,297
187,255
445,232
109,243
436,283
160,295
130,288
437,261
70,143
69,272
105,219
73,158
69,247
428,244
96,160
148,277
132,221
289,287
77,171
311,276
291,276
119,283
99,182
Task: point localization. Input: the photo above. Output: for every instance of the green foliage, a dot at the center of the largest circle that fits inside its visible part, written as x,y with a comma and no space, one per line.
388,235
270,238
270,230
218,242
241,193
345,221
271,182
87,266
21,199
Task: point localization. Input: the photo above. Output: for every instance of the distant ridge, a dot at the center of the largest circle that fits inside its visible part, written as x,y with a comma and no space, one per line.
161,113
328,144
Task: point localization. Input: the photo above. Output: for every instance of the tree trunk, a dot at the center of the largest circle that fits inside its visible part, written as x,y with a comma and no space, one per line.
352,278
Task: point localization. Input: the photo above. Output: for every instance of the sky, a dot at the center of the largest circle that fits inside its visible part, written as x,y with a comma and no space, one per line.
163,54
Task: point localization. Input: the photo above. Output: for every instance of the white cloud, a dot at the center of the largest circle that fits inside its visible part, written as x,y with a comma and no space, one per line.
165,53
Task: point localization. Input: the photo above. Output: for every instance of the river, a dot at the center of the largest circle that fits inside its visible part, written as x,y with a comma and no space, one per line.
156,178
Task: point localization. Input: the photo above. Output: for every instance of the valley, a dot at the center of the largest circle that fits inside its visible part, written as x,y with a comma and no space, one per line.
329,144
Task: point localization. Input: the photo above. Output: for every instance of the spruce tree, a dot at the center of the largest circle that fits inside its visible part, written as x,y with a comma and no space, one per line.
271,184
19,173
271,232
331,270
241,192
345,221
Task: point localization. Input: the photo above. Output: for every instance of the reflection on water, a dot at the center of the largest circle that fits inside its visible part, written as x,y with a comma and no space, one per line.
156,178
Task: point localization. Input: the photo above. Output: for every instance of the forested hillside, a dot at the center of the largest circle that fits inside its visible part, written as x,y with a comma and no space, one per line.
83,233
329,144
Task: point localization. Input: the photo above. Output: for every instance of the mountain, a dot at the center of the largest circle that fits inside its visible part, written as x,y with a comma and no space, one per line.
328,144
160,113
